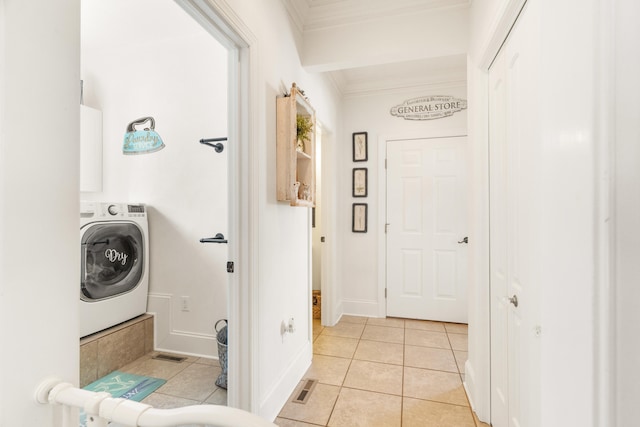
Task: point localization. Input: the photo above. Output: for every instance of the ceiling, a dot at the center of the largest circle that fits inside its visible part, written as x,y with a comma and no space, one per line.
100,18
313,16
401,75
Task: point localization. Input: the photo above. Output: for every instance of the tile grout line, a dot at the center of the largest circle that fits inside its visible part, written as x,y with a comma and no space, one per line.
404,366
333,408
347,373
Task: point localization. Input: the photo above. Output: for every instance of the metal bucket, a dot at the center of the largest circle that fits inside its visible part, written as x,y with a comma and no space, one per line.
221,337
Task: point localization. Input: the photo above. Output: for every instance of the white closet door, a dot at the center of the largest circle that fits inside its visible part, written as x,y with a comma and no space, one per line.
515,204
499,249
427,214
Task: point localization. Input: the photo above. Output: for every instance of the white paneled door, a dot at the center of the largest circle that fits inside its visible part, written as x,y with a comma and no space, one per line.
427,229
515,231
498,227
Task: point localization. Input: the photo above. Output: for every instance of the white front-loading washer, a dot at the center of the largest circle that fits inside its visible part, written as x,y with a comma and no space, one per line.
114,276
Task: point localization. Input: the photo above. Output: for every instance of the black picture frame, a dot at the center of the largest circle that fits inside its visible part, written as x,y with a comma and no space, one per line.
360,146
359,186
359,217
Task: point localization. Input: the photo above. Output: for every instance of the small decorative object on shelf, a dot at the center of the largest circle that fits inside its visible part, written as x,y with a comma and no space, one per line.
296,188
306,192
304,126
295,149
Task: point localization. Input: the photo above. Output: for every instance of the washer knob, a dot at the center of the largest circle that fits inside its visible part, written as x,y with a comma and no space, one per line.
113,209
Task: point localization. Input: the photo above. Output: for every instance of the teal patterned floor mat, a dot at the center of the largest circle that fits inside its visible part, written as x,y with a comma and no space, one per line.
126,386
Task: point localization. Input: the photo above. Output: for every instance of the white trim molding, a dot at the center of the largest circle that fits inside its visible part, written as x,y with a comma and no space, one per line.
222,22
172,339
363,308
276,397
319,15
500,30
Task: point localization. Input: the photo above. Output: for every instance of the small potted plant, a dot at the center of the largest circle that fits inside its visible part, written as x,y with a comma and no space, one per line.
303,131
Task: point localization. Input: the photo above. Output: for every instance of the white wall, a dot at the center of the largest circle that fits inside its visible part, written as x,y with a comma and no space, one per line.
627,208
39,179
359,252
166,66
284,234
571,143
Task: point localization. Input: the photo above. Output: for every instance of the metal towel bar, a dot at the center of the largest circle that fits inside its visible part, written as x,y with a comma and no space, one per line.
218,147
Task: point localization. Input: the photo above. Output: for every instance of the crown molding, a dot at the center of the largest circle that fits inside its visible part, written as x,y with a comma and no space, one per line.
381,88
325,15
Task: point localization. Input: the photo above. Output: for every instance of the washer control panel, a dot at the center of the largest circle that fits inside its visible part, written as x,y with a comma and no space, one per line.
111,210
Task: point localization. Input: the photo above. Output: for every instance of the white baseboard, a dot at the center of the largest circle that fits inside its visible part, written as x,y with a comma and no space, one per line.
469,383
191,344
337,314
276,397
470,386
168,339
361,308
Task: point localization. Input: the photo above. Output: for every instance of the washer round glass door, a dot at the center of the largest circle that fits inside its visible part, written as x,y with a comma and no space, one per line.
112,255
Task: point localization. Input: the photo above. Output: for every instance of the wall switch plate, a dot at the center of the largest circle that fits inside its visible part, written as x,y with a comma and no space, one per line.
184,303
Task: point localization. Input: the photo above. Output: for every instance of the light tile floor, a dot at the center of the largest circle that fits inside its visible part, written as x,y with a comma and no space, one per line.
385,373
191,382
371,373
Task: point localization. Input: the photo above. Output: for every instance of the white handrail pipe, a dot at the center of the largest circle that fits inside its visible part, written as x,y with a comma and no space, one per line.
101,408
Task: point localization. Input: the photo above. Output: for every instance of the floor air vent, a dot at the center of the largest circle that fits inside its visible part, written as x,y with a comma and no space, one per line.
169,358
304,394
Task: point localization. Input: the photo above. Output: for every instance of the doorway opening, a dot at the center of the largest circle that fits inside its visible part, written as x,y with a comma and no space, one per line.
192,191
323,223
317,237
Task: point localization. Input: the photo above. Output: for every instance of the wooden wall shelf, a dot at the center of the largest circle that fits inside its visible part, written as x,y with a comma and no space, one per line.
293,166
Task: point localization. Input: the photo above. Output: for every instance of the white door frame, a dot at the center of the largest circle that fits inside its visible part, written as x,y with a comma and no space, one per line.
477,379
243,358
330,296
382,202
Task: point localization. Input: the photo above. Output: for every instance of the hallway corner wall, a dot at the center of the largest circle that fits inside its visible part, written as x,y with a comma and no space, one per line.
39,181
361,254
627,213
283,233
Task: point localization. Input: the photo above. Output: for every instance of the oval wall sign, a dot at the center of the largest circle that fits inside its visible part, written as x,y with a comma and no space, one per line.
429,107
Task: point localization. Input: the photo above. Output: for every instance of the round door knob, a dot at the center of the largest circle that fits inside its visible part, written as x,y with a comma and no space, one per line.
514,300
